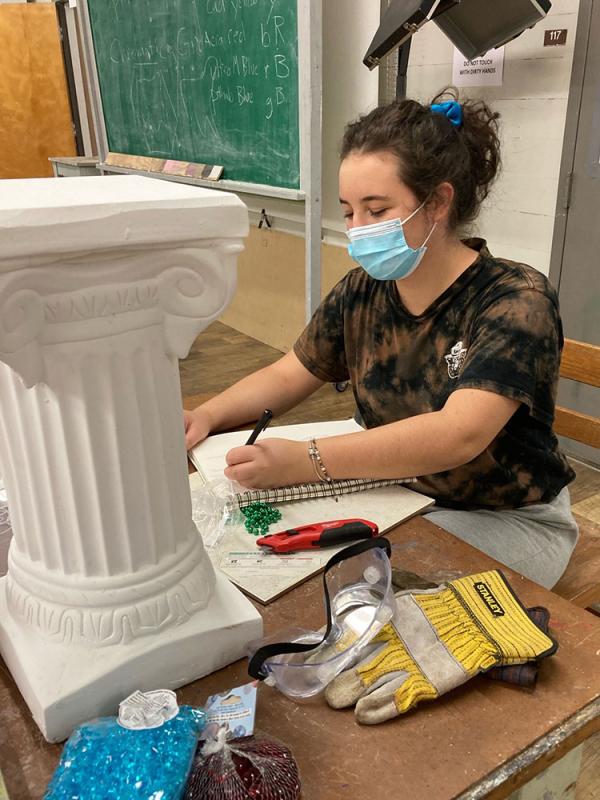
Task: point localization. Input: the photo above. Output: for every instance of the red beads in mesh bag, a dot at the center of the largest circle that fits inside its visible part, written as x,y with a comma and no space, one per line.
252,767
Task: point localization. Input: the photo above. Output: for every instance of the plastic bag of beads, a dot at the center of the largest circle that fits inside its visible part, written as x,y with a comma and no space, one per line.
151,759
259,517
255,767
214,510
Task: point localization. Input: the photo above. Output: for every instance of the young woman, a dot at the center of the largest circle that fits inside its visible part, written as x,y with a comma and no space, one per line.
452,353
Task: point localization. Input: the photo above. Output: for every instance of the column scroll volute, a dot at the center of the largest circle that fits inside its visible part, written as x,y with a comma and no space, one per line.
197,279
21,324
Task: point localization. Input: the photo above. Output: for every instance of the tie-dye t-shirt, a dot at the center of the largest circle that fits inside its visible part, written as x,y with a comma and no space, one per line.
497,328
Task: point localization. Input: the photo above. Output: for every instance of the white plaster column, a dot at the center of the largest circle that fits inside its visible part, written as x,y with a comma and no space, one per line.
104,285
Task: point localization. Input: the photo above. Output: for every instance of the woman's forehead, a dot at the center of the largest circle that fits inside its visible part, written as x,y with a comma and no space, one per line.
370,175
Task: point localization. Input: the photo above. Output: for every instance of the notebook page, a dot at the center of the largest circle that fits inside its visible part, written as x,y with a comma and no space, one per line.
209,456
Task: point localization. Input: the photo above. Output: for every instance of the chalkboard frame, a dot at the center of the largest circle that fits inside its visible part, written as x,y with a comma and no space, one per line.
310,89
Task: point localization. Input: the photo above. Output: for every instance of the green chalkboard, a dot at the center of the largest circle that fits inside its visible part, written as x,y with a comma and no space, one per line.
209,81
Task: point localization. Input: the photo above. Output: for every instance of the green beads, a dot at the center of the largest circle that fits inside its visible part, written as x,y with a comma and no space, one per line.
259,516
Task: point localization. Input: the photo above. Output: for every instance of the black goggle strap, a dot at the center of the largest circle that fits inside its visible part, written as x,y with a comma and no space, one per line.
256,663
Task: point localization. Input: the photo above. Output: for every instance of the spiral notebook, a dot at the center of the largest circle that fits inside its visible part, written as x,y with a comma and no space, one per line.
209,459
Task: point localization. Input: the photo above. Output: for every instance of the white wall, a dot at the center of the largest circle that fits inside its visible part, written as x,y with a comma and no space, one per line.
349,88
518,217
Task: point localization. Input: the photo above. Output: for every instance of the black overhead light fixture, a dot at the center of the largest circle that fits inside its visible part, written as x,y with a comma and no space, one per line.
473,26
398,23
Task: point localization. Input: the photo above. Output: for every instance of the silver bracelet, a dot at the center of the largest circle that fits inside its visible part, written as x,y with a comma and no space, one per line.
319,466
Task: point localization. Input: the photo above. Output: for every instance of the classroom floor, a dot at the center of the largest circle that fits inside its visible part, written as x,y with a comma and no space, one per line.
221,355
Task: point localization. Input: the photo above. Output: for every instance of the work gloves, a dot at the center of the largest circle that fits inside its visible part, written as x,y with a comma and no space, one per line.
524,675
437,640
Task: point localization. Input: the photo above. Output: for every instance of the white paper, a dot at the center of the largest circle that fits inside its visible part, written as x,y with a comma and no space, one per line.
265,575
485,71
209,456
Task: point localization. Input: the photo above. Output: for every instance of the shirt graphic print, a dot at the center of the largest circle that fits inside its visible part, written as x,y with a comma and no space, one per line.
455,359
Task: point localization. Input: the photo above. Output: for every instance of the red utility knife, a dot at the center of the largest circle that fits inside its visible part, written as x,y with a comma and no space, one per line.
319,534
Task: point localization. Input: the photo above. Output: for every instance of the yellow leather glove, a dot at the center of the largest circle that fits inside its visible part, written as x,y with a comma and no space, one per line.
438,639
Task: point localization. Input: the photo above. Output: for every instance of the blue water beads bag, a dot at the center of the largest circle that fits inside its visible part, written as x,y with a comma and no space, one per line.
145,754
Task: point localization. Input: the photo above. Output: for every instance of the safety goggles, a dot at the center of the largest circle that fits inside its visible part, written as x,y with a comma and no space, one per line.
359,601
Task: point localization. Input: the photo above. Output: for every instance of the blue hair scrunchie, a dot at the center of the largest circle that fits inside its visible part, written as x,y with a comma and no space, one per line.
450,109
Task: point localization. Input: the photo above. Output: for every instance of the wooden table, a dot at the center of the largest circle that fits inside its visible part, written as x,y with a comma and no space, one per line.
484,739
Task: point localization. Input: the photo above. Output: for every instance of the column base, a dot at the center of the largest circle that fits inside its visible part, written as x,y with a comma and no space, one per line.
66,684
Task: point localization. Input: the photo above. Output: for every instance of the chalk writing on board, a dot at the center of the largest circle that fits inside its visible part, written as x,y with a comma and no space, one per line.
212,81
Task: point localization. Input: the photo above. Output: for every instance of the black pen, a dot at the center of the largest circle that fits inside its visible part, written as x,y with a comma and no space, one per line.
262,423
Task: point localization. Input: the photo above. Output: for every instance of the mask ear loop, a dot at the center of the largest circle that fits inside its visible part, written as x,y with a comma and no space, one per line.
256,663
416,211
430,234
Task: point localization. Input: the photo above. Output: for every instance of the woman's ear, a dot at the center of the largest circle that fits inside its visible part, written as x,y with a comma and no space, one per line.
440,202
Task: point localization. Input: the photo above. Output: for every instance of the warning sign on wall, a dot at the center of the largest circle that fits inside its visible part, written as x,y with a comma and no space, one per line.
485,71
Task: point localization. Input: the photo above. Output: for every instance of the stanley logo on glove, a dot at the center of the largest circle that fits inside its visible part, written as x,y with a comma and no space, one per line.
438,639
489,599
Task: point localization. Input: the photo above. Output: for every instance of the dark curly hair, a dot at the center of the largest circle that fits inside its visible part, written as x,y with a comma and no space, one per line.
431,150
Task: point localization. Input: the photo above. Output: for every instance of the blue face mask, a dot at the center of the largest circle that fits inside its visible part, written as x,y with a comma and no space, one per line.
382,251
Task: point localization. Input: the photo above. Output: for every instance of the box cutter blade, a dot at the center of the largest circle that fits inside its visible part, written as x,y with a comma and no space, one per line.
319,534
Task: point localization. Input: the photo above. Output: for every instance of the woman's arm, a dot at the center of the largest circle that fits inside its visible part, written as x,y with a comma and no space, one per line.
421,445
280,386
425,444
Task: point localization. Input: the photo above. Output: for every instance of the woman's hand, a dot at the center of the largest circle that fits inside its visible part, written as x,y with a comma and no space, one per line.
197,426
270,463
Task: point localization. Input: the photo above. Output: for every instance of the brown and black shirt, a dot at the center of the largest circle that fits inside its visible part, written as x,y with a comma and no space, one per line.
497,327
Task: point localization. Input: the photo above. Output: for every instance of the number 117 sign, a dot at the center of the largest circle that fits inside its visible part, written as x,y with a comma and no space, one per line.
554,38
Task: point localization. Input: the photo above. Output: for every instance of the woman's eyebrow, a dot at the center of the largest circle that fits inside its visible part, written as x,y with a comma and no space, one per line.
367,199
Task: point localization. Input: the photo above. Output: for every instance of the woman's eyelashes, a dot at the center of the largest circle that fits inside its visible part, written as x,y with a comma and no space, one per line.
371,212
